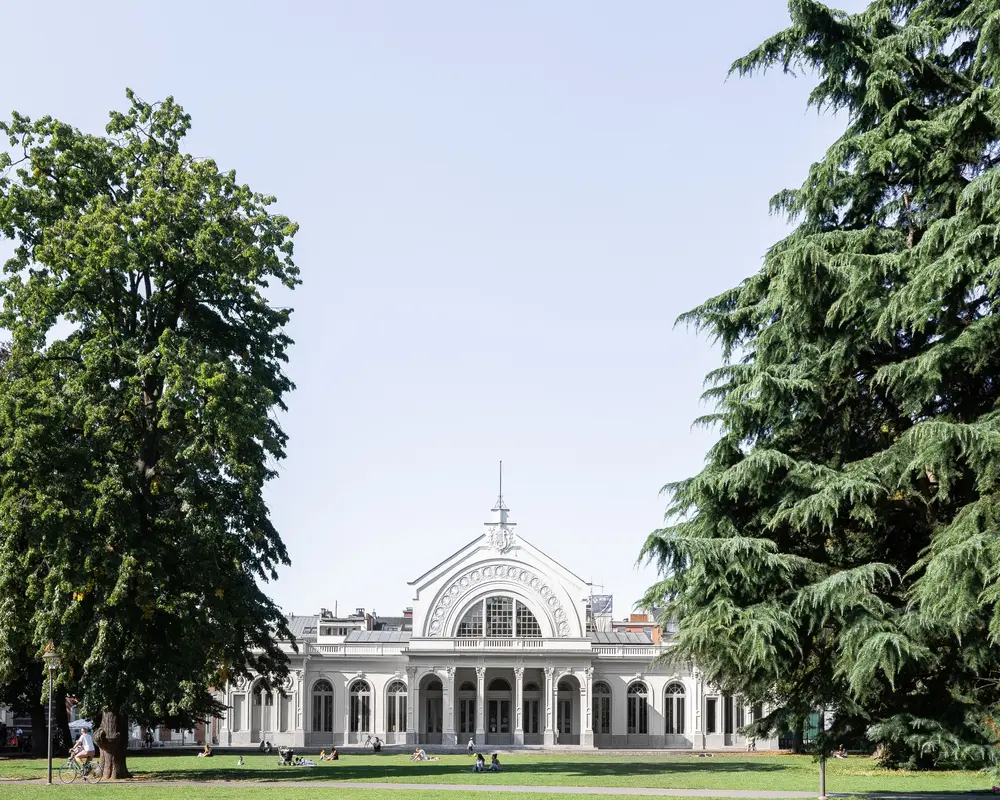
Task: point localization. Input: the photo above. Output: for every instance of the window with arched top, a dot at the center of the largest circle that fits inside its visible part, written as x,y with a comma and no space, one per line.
602,708
499,685
531,687
637,698
360,707
322,705
564,686
467,686
499,617
673,708
395,710
433,685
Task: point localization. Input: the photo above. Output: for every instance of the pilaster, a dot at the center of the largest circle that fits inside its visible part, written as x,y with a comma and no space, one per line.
412,693
347,708
698,738
587,708
448,736
480,705
518,705
550,733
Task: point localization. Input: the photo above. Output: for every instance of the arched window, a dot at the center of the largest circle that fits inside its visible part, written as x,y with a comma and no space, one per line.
268,723
531,687
638,708
396,707
323,706
361,707
499,685
499,617
433,685
257,709
467,686
674,708
564,687
602,707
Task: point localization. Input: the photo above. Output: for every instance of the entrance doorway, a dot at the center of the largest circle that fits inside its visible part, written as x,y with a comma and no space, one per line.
432,700
733,718
465,724
567,719
499,722
531,714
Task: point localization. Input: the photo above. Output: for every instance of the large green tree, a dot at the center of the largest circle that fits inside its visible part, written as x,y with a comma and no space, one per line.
840,547
137,415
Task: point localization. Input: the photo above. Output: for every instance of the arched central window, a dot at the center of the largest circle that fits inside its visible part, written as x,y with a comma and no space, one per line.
674,708
499,617
638,708
323,706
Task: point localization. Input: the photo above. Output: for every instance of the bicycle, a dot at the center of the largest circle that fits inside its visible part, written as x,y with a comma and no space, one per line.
70,771
374,743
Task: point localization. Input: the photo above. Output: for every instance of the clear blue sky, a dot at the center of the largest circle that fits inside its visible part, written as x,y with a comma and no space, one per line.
504,207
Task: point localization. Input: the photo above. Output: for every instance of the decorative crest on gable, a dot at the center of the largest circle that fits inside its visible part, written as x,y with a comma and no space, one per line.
499,531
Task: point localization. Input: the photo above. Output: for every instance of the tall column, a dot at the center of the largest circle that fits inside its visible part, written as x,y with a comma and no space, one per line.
480,705
587,708
449,707
550,734
518,705
411,702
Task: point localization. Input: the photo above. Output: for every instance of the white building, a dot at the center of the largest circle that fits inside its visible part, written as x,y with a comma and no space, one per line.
499,651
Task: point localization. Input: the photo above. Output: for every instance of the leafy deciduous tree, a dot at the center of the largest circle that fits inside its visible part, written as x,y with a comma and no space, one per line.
136,415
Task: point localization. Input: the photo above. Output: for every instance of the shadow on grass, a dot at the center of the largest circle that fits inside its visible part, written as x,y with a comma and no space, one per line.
394,769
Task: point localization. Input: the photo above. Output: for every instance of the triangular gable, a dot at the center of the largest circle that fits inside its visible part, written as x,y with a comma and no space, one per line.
456,559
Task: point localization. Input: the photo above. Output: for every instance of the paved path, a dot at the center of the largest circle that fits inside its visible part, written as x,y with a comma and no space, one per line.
624,791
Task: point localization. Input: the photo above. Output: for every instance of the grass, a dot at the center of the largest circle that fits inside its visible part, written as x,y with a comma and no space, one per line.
723,772
139,792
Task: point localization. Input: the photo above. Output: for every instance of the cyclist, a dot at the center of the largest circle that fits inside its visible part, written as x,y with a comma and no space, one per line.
83,750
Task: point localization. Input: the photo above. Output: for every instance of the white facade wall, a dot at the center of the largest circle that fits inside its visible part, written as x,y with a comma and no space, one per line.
496,563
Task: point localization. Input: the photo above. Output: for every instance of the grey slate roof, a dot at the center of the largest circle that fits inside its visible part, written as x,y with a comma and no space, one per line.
619,637
303,628
378,636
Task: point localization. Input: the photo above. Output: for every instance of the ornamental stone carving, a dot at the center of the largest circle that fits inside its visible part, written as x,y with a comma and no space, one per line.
452,597
500,538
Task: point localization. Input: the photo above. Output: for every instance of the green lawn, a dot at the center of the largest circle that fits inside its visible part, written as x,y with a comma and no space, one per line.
140,792
759,772
778,773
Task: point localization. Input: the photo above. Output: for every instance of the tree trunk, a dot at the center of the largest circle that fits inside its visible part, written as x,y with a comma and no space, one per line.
39,732
798,740
112,738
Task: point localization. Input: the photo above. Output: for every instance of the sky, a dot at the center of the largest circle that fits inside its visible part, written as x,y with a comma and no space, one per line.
503,207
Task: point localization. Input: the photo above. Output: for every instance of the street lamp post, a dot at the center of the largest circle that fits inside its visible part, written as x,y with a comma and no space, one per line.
52,663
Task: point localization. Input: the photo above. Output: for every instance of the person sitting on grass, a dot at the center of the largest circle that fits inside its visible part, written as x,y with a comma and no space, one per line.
495,763
304,762
420,755
840,752
480,764
207,752
333,755
241,762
